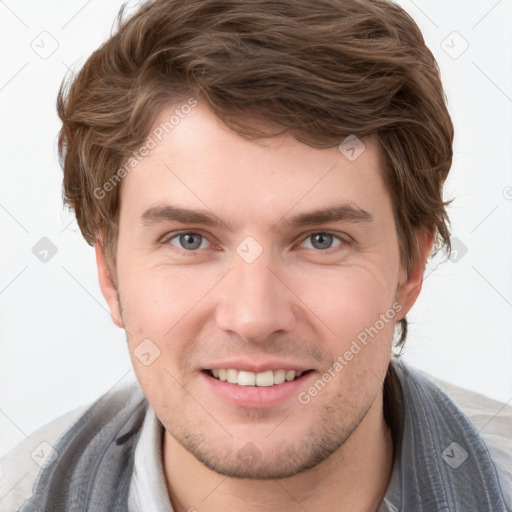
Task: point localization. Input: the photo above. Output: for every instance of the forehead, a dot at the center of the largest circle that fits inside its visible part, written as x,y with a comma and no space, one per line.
197,161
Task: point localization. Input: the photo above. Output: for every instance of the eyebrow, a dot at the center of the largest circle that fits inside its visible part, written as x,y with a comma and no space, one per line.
343,212
168,213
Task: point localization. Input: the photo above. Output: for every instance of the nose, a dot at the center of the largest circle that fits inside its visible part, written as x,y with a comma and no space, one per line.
256,302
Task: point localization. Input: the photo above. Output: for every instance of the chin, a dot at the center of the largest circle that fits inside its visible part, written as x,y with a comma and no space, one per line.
277,460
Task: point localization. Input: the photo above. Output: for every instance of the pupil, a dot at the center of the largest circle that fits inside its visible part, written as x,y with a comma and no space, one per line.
322,240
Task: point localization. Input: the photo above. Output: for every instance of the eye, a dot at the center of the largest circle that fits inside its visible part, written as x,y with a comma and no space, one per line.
188,241
323,241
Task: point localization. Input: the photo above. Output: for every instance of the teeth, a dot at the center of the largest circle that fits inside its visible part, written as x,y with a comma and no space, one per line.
232,376
279,376
262,379
265,378
245,379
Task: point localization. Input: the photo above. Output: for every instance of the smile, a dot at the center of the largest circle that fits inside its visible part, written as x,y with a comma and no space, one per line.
262,379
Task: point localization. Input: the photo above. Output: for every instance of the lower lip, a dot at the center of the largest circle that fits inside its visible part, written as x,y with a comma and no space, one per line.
256,396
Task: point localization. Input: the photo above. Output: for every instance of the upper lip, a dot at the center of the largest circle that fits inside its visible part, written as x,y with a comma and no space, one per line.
257,367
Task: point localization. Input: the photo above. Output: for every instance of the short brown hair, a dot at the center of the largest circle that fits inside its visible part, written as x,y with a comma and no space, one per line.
319,69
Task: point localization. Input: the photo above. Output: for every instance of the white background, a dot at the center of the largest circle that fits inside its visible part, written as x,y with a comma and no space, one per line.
59,348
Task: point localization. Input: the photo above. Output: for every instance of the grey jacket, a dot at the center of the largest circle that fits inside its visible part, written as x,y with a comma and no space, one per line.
441,464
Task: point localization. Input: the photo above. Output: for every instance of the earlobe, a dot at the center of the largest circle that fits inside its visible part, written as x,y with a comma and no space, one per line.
410,287
107,285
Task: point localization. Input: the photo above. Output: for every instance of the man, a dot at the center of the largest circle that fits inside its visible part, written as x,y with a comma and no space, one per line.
262,182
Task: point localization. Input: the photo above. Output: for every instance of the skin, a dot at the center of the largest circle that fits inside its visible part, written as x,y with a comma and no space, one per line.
295,302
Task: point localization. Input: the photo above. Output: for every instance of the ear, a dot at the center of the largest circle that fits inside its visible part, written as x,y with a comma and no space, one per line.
410,284
107,285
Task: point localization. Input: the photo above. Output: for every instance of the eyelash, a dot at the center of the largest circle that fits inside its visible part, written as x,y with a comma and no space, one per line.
167,238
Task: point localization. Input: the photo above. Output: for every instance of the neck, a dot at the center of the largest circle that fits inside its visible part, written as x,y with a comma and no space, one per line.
354,478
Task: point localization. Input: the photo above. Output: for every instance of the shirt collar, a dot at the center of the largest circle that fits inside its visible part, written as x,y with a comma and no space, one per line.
148,489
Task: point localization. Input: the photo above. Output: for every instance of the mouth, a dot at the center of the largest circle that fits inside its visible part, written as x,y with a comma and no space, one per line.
266,386
267,378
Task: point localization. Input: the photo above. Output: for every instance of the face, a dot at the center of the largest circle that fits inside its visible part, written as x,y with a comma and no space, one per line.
257,262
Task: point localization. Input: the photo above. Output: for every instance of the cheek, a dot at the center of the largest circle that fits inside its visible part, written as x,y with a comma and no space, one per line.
158,317
358,321
158,296
167,306
348,299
